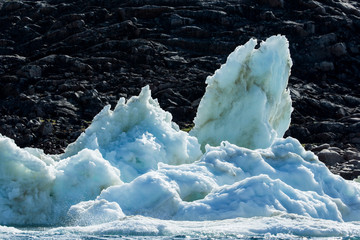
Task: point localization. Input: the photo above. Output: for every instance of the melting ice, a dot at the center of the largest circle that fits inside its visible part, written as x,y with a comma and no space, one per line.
246,101
134,172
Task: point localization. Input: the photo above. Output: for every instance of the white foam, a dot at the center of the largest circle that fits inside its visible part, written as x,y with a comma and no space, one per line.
283,226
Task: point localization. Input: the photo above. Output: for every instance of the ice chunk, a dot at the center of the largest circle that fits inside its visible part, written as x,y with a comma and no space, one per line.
25,185
136,136
230,181
246,101
82,177
152,194
94,212
35,189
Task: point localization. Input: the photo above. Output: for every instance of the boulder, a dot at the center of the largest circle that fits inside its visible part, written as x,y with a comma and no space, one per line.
30,71
330,157
339,49
46,128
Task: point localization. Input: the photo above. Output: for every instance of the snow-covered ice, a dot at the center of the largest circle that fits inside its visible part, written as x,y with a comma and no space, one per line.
134,172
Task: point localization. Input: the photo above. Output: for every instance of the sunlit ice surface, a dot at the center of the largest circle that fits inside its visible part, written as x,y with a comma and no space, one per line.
133,173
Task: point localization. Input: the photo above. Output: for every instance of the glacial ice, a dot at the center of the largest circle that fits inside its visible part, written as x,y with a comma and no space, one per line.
257,106
36,189
230,181
133,168
136,136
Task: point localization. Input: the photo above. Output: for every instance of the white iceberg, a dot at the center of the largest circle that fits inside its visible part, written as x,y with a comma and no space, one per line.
230,182
136,136
133,170
246,101
36,189
25,185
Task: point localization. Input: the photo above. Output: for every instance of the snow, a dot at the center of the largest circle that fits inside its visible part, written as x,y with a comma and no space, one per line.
134,172
257,106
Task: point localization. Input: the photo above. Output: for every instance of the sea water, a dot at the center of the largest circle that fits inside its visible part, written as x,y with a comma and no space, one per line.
285,226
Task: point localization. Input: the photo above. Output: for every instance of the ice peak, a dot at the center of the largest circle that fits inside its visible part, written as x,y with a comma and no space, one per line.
246,100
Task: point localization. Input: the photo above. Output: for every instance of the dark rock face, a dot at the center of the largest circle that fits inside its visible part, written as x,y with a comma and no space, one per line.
62,61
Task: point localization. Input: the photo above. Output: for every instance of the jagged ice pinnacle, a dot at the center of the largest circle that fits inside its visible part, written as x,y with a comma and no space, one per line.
246,101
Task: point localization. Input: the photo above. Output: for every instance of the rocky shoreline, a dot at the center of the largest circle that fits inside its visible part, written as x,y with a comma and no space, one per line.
62,61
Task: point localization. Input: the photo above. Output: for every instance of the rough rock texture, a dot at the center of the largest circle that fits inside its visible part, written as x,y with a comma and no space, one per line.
62,61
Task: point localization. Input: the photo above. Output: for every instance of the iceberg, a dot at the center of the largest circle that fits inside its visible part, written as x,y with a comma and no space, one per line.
136,136
26,178
37,189
246,101
231,181
133,171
